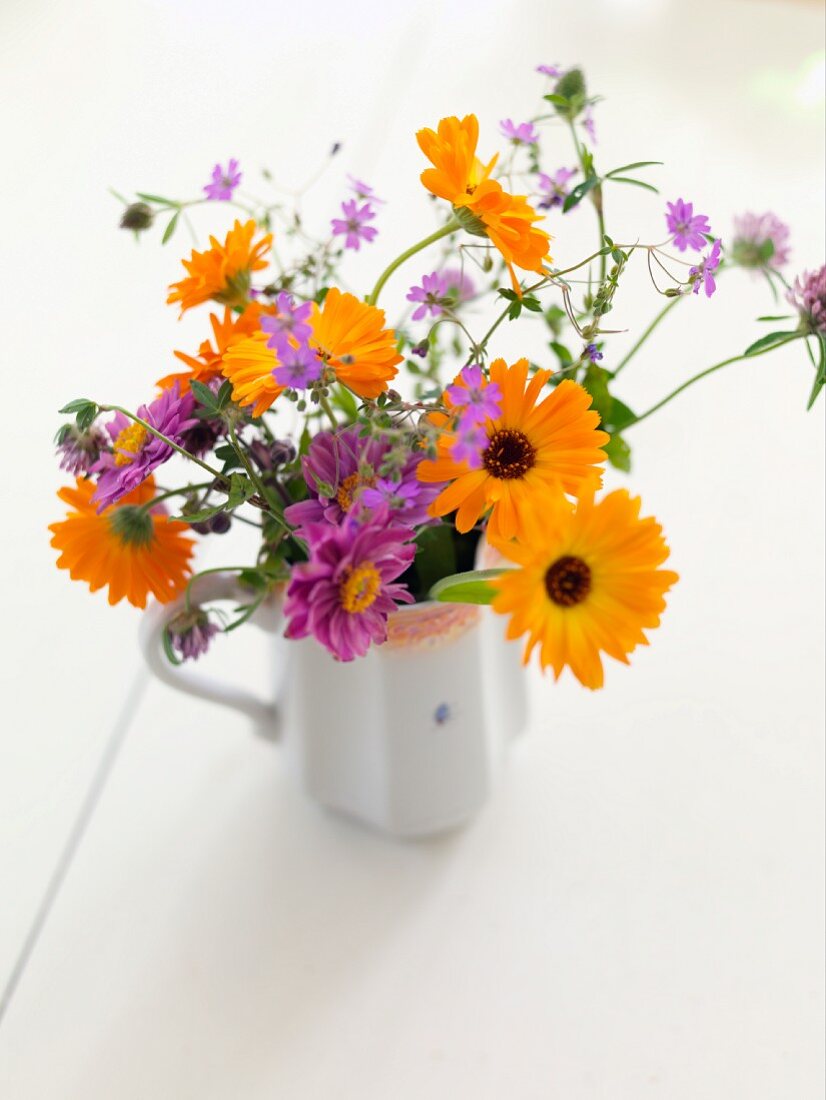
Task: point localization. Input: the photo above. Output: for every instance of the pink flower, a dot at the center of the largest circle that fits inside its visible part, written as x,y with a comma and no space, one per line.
523,134
555,188
703,273
469,446
298,366
224,181
363,190
353,226
687,229
553,71
760,241
430,294
477,399
808,296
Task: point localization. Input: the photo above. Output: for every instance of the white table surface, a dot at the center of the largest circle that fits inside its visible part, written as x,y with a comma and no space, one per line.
638,912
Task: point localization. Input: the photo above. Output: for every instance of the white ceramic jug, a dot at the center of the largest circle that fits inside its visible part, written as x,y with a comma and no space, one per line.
408,739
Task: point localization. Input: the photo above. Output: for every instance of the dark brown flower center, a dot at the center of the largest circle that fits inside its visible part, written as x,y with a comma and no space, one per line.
509,454
568,581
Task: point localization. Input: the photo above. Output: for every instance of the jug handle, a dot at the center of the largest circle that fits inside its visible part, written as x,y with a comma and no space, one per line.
215,586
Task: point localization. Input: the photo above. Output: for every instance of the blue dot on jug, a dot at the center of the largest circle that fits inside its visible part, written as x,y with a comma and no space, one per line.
441,714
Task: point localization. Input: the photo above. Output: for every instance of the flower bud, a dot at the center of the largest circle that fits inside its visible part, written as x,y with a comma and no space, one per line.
138,216
220,523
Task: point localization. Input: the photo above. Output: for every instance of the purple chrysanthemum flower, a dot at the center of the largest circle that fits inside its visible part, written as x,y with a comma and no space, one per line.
469,445
477,400
363,190
135,451
353,226
345,593
808,296
298,366
340,466
593,353
288,320
431,294
78,450
588,124
458,285
525,133
760,240
555,188
703,273
686,227
224,181
191,633
553,71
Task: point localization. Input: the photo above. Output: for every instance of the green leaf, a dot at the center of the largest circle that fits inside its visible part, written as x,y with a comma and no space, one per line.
470,587
224,395
204,396
344,400
531,303
557,100
621,415
166,642
75,406
776,317
514,310
506,292
768,341
578,193
170,229
435,556
155,198
820,374
200,516
240,490
628,167
118,196
618,452
562,353
636,183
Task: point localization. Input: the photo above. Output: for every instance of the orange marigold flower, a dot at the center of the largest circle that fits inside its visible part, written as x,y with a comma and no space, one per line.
223,272
226,331
348,334
481,204
133,551
536,450
588,582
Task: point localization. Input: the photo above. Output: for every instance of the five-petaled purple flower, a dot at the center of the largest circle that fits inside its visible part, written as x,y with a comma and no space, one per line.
136,452
363,190
298,366
525,133
760,241
224,181
431,294
555,188
345,593
469,445
477,400
553,71
353,226
704,271
289,320
687,229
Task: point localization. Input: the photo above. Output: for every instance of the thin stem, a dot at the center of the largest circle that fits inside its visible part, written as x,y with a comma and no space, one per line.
169,442
206,573
704,374
254,478
324,402
445,231
660,317
596,200
174,493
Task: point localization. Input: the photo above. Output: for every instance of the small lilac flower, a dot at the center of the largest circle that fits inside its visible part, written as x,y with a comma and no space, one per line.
760,241
686,227
588,124
808,296
78,450
523,134
345,593
431,294
288,320
593,353
298,366
555,188
704,271
477,400
553,71
363,190
135,451
458,285
470,444
191,633
400,497
224,181
353,226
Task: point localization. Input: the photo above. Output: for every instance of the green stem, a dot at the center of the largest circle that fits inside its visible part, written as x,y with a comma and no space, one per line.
660,317
169,442
445,231
704,374
206,573
174,493
325,404
596,200
260,487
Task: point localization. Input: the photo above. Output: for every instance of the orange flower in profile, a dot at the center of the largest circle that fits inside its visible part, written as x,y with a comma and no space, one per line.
223,272
131,549
226,331
536,451
348,335
481,204
587,581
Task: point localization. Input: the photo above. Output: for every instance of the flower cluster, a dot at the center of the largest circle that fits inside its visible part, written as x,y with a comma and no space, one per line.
374,457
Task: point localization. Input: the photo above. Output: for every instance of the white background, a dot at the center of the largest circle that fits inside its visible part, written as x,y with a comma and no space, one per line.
639,911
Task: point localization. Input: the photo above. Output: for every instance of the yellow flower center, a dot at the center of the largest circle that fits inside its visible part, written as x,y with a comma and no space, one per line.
359,588
509,454
348,489
128,443
568,581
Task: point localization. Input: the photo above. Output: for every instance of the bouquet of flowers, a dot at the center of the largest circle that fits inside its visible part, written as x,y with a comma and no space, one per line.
371,458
